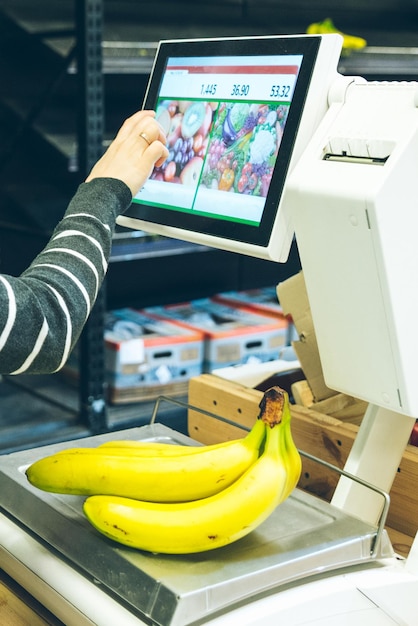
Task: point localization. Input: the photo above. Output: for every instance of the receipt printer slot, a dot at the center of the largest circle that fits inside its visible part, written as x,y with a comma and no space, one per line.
345,158
358,149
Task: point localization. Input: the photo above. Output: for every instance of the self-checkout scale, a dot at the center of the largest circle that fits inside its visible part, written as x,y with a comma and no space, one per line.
343,178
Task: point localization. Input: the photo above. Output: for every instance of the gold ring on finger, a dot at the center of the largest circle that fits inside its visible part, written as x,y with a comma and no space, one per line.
145,138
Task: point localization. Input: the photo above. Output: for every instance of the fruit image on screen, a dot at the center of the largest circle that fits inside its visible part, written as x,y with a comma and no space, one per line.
187,126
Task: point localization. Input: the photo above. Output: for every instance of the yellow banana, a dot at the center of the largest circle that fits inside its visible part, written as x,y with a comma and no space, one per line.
350,42
82,471
189,527
290,451
275,406
170,450
156,448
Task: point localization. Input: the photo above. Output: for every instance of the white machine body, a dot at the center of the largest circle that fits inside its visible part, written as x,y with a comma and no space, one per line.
353,197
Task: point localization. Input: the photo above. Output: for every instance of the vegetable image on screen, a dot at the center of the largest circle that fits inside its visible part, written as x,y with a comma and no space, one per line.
244,142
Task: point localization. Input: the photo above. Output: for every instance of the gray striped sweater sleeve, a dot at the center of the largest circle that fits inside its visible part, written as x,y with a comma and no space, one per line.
43,311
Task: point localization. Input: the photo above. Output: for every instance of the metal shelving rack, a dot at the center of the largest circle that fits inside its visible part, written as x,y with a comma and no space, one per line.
89,27
87,63
86,56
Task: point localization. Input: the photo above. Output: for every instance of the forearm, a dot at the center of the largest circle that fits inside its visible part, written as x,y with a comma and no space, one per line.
43,311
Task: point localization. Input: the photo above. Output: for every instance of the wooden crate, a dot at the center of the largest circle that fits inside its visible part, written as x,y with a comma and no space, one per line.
326,437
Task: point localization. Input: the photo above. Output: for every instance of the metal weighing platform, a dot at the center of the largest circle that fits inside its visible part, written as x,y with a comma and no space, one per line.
303,537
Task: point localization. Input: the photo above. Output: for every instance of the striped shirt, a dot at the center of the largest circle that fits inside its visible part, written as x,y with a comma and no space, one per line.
43,311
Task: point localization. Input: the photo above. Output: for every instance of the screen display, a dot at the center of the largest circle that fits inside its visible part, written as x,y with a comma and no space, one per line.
224,118
231,110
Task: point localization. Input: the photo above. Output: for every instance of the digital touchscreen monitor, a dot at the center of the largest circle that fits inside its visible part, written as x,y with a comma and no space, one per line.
236,112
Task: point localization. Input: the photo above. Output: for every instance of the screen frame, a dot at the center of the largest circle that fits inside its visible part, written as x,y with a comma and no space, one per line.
230,235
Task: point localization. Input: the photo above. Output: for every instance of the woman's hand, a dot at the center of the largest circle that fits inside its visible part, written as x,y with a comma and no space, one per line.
136,149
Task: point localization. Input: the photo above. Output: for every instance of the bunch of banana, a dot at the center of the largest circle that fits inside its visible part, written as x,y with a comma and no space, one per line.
208,523
215,503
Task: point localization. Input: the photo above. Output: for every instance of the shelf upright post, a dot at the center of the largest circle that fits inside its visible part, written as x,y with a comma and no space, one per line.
89,22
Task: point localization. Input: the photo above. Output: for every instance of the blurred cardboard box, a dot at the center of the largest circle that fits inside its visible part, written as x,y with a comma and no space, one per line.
232,335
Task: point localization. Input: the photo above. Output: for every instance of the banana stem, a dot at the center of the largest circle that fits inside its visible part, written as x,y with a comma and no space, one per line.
274,404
